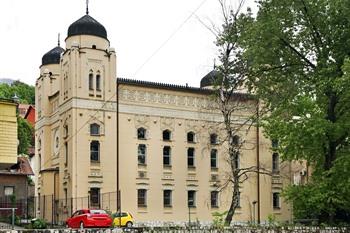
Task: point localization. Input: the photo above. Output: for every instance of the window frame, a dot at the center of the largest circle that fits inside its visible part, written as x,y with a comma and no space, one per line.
167,198
191,157
213,139
276,200
166,135
212,159
95,198
98,82
141,133
214,199
167,156
275,162
191,135
191,196
12,188
141,157
93,127
94,153
91,81
141,197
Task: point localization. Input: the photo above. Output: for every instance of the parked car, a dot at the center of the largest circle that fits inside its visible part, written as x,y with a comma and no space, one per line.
125,219
89,218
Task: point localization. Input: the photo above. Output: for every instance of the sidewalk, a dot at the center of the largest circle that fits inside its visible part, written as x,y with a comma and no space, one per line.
5,226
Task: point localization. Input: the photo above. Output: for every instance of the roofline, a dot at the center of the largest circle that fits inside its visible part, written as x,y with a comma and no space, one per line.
28,110
174,87
165,86
50,170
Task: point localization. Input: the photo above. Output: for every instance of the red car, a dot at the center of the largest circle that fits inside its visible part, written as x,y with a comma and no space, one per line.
89,218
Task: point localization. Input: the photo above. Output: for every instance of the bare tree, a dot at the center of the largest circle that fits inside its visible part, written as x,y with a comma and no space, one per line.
234,101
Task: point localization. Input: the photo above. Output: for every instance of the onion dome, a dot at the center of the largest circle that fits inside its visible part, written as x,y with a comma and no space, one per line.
53,56
87,25
209,79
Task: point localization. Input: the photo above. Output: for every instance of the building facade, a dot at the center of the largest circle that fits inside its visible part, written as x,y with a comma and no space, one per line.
159,144
8,133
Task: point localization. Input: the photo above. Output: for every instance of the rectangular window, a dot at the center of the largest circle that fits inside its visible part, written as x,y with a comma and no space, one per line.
214,199
9,190
190,157
95,151
167,198
191,198
276,200
65,197
141,154
66,153
166,155
141,197
98,82
95,197
275,162
213,158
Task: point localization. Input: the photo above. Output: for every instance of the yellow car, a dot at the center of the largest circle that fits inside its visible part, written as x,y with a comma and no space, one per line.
125,218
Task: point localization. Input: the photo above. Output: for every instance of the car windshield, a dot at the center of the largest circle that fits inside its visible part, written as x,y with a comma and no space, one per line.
97,211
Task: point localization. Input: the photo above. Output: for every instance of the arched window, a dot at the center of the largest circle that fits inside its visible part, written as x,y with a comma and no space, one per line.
95,151
213,138
94,129
91,81
141,133
166,135
190,137
98,82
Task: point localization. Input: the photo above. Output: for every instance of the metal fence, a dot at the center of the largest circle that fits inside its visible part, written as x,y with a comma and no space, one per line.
54,211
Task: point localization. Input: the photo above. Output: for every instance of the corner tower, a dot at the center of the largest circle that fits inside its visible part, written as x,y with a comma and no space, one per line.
76,121
88,97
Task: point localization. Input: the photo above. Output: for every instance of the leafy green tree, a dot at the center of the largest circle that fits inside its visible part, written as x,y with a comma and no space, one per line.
25,92
25,135
297,53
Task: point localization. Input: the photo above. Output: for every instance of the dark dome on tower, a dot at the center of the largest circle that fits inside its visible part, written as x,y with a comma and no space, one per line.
53,56
87,25
209,79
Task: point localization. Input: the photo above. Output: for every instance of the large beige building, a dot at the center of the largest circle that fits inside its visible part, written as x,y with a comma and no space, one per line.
165,140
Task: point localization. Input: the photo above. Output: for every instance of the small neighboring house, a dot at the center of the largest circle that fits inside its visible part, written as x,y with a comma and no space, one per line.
15,188
14,180
30,115
22,109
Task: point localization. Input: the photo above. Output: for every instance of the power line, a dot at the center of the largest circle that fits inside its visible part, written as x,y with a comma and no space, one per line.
169,38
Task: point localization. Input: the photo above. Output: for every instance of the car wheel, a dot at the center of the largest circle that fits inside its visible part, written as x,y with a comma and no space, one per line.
129,224
81,225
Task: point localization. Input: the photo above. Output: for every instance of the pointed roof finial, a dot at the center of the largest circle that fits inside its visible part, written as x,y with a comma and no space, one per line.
214,63
58,40
87,7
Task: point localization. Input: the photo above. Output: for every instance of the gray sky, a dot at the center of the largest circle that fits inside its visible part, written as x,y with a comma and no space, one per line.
155,40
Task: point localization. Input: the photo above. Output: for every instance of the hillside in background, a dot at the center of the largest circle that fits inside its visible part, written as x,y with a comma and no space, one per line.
9,88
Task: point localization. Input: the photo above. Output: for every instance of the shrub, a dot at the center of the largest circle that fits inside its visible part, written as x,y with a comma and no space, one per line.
38,223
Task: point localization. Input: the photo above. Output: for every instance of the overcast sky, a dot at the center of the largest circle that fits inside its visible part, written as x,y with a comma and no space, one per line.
155,40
